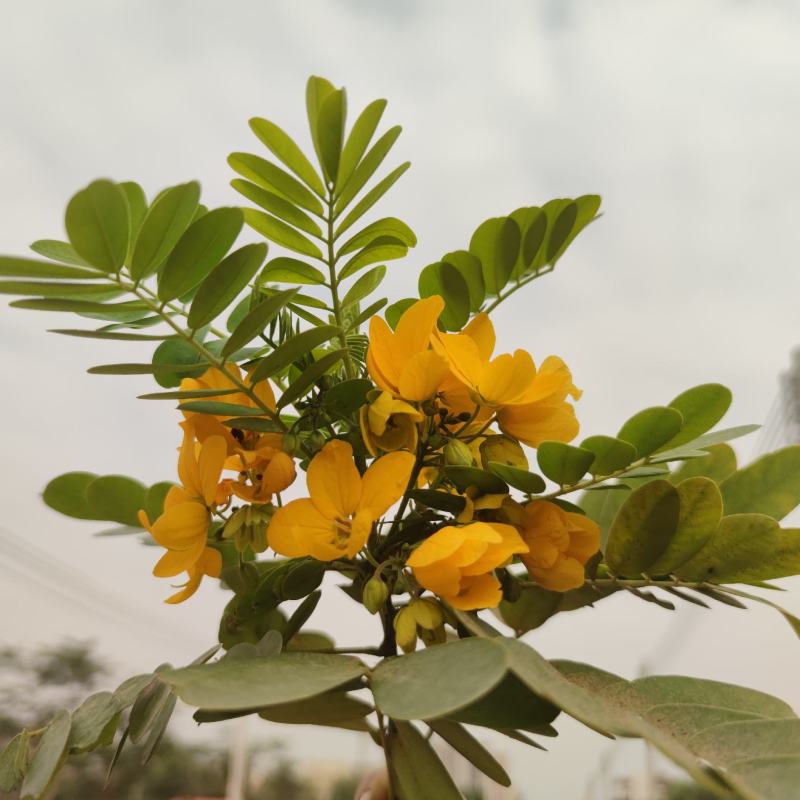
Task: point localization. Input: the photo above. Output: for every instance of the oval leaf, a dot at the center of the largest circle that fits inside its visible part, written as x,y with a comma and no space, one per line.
650,429
98,225
563,463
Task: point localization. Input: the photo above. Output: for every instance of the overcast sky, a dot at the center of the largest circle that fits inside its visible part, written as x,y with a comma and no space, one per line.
683,115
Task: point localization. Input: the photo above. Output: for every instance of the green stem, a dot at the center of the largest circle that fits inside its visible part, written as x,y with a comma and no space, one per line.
523,282
334,287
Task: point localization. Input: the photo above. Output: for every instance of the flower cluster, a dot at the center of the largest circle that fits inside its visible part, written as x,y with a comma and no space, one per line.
439,400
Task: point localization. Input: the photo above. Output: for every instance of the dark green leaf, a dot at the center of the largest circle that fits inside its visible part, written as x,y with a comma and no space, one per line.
67,494
347,397
563,463
330,123
284,147
170,215
702,408
32,268
465,477
291,350
115,335
148,706
371,197
364,286
48,757
441,501
224,283
335,709
154,499
650,429
447,281
560,232
271,177
358,140
176,351
220,409
643,528
98,225
300,616
198,251
277,205
256,321
279,232
469,266
137,206
301,579
93,722
115,498
528,482
309,377
397,309
533,229
144,369
496,243
54,289
610,454
187,394
417,769
367,168
132,310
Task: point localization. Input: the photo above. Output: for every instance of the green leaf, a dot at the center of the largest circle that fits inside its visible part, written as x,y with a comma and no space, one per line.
224,283
176,351
55,289
14,762
67,494
469,266
365,314
643,528
745,548
279,232
367,168
729,742
560,232
563,463
32,268
652,428
145,369
271,177
137,206
154,499
290,270
58,251
284,147
718,463
291,350
702,408
300,386
220,409
301,579
98,225
300,616
148,707
93,722
347,397
610,454
396,310
358,140
385,248
158,728
446,281
170,215
364,286
770,777
420,685
48,757
532,223
389,227
187,394
496,243
371,197
700,515
418,772
335,709
116,498
441,501
198,251
257,320
528,482
770,485
465,477
261,682
123,311
330,131
113,335
277,205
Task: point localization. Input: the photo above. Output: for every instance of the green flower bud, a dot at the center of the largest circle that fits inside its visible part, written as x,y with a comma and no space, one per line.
291,443
405,630
457,454
316,441
248,528
374,595
427,612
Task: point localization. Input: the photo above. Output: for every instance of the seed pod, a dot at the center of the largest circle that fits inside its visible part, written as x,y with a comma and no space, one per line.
405,630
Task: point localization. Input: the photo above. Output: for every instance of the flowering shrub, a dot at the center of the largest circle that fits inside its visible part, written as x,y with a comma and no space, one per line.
399,460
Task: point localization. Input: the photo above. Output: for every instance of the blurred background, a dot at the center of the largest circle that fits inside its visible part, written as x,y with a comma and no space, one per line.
683,115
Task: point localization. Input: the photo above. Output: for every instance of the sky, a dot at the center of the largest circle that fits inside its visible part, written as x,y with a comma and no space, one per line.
684,116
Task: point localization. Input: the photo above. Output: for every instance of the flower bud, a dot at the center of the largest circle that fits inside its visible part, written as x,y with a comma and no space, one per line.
316,441
291,443
427,612
503,449
457,454
405,630
248,528
374,595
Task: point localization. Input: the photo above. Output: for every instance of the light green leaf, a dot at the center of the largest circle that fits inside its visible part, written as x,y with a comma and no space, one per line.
224,282
370,198
767,778
417,769
198,251
290,270
277,205
149,706
98,225
420,685
279,232
347,397
610,454
284,147
446,281
745,548
717,464
94,722
14,762
700,515
367,168
528,482
115,498
747,738
154,499
256,321
496,244
123,311
563,463
137,206
330,131
170,215
261,682
114,335
335,709
271,177
32,268
643,528
67,494
58,251
364,286
385,248
702,408
358,140
176,351
770,485
220,409
390,227
89,291
309,376
146,369
291,350
650,429
48,757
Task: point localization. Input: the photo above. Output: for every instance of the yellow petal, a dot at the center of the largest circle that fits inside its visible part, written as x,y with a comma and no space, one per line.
378,412
554,366
422,375
483,532
481,331
437,547
480,591
469,552
507,378
463,355
537,423
497,554
187,467
295,527
584,537
279,473
385,482
209,467
189,588
173,562
333,480
441,578
381,360
567,573
414,329
180,526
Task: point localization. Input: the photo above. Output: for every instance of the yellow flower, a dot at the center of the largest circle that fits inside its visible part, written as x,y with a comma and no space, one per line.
457,563
389,424
402,362
559,545
335,521
182,528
